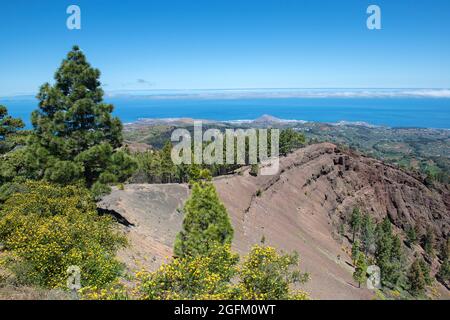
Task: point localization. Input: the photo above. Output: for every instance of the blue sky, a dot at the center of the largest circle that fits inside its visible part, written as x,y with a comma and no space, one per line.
204,44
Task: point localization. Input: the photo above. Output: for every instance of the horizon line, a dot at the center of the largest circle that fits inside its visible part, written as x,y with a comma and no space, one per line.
130,91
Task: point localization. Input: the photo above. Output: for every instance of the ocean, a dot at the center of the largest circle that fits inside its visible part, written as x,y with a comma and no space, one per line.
392,112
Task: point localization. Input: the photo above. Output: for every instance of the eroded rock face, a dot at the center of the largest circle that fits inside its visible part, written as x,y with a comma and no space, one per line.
344,180
318,186
385,190
297,209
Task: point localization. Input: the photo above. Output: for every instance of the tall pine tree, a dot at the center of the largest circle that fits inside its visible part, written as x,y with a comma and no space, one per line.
368,234
411,235
429,242
444,271
360,274
75,134
389,255
206,223
416,279
355,222
356,250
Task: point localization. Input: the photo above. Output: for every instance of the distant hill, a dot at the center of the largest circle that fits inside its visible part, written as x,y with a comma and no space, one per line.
423,151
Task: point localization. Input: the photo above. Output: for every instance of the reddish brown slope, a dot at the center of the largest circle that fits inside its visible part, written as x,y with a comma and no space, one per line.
298,209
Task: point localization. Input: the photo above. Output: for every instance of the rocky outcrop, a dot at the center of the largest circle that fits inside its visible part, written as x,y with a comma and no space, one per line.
301,207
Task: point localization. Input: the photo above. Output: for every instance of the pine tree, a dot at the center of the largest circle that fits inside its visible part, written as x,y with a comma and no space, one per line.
429,242
416,280
355,222
426,272
75,134
360,274
290,140
368,234
389,255
206,223
167,166
356,249
444,271
397,248
396,267
411,235
8,126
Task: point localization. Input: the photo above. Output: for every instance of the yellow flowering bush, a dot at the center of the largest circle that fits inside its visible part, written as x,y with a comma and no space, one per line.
199,277
267,275
47,228
116,290
264,275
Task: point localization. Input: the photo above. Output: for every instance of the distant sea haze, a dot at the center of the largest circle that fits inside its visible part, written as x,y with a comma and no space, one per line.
396,111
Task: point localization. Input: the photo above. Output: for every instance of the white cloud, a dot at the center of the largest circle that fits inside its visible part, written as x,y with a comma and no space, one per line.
285,93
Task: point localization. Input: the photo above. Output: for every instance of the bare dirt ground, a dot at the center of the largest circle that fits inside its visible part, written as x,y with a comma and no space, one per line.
155,212
297,209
